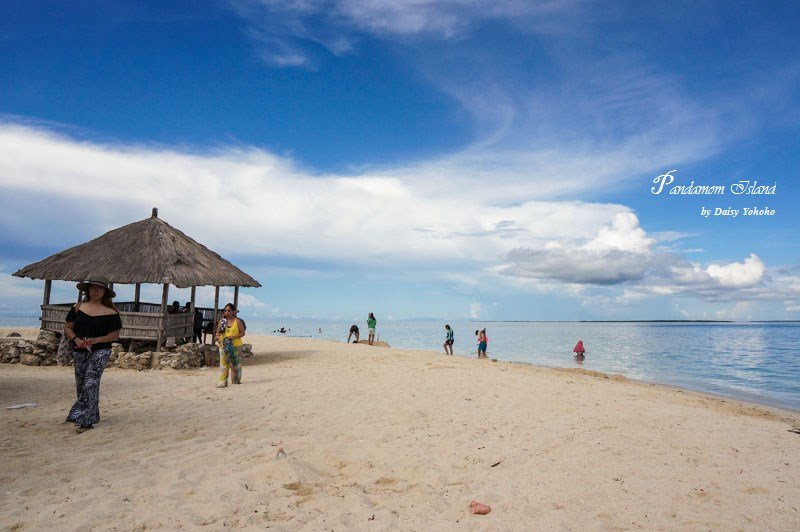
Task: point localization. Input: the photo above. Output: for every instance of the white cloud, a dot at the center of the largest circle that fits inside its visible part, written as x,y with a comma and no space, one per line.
748,273
621,253
682,312
618,253
741,310
623,235
738,275
248,301
629,296
15,288
749,280
276,208
475,310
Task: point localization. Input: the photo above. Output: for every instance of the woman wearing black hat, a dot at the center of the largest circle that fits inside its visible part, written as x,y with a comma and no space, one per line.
91,326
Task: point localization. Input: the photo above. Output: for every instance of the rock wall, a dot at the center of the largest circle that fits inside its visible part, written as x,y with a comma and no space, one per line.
43,352
39,352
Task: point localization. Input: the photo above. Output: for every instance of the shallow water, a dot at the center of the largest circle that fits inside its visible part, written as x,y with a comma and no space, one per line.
756,362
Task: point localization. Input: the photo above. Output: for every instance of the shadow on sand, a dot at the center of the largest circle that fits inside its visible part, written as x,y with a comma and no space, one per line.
276,357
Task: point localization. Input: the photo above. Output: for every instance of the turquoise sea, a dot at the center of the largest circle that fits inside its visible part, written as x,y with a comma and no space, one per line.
755,362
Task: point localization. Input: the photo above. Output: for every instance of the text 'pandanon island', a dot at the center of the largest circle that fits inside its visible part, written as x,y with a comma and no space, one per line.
741,187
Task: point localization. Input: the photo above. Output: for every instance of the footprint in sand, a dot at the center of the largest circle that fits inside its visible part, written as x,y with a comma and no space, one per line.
299,489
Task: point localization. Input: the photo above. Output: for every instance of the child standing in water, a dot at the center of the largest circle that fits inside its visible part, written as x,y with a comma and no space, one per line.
579,350
482,343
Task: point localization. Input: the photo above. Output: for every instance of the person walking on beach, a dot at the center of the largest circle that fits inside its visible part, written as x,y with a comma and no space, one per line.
449,340
371,322
353,331
229,337
91,326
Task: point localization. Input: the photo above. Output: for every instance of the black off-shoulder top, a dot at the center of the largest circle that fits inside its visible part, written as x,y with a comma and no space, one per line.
86,326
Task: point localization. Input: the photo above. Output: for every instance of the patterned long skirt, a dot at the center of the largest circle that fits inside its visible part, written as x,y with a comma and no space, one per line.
230,361
88,370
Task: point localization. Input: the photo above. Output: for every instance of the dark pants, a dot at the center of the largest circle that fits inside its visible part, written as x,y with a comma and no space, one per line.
88,370
198,335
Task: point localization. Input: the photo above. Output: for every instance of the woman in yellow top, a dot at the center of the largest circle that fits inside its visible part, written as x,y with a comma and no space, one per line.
230,331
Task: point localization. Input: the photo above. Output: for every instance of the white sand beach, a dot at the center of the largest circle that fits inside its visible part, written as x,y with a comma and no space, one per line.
385,439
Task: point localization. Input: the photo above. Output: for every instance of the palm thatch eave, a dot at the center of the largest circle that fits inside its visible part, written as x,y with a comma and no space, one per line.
148,251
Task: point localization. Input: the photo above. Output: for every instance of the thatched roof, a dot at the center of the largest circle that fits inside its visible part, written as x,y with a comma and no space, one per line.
149,251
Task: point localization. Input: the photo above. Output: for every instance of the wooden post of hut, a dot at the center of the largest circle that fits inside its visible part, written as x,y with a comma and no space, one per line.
47,287
216,308
192,311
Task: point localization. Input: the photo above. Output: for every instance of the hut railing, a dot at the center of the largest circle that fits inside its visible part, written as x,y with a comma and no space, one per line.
142,325
131,306
54,317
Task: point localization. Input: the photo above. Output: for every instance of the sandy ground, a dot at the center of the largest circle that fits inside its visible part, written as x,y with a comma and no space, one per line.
385,439
29,333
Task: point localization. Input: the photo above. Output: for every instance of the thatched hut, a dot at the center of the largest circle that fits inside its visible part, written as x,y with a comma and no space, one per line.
148,251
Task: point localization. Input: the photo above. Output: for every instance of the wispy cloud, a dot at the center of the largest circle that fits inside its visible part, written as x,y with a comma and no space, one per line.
551,117
337,25
572,96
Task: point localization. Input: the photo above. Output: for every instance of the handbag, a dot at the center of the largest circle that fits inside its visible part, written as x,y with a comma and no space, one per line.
64,356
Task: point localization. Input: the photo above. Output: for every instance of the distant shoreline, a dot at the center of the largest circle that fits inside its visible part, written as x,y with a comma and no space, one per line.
389,322
279,319
633,321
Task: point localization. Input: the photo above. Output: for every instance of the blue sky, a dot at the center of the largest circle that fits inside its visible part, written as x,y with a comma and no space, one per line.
452,159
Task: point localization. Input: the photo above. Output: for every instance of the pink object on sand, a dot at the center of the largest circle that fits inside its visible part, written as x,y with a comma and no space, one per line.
579,348
478,508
